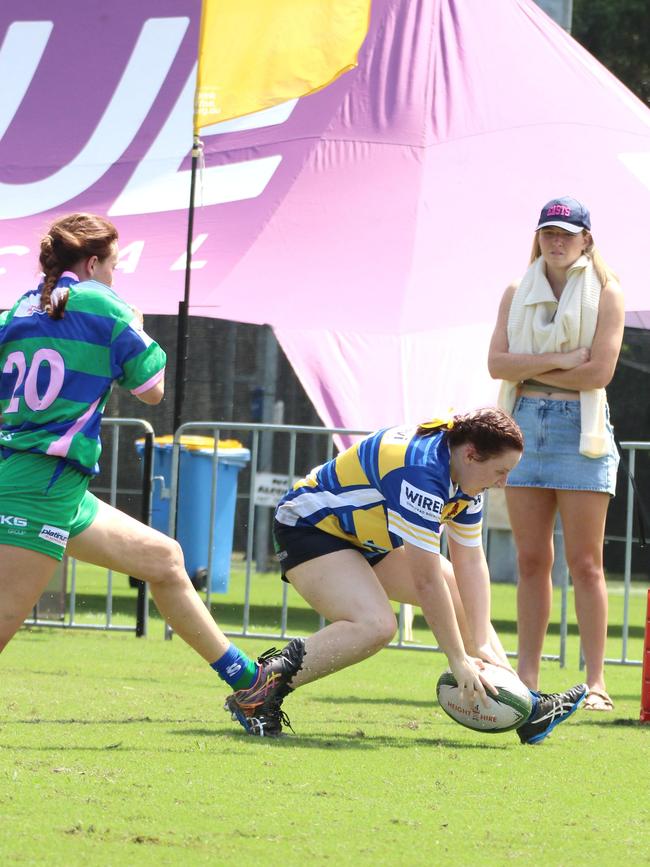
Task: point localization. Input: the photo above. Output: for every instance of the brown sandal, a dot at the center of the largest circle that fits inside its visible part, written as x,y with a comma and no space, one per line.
598,699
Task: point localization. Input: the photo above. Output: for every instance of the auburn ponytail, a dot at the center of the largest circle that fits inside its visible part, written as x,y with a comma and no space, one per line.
491,431
68,241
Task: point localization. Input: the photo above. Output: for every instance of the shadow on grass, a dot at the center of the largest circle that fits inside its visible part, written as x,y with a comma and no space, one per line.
355,740
292,742
594,718
97,722
388,700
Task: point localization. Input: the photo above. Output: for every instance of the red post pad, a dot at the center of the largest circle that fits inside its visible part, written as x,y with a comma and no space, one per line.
645,677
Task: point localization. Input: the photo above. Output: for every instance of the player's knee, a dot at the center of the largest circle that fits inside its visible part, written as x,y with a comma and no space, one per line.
172,562
381,627
534,564
388,628
585,571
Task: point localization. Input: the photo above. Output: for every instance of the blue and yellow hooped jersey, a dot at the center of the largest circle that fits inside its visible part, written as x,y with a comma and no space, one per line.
392,486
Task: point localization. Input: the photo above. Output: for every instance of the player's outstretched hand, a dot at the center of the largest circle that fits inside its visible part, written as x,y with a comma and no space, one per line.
471,683
488,654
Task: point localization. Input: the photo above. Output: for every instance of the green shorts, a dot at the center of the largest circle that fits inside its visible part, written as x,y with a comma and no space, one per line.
43,502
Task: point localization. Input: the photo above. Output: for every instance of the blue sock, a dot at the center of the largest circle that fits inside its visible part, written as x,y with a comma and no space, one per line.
235,668
535,698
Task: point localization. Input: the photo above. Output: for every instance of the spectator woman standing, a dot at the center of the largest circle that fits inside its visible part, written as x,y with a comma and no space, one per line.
555,346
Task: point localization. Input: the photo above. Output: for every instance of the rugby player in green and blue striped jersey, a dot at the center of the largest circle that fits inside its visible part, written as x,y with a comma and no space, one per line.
62,348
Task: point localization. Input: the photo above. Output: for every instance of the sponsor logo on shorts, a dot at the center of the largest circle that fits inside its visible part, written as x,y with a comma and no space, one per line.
12,521
423,503
54,534
281,555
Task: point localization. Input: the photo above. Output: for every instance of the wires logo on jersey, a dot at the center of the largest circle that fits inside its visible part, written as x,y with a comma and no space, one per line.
423,503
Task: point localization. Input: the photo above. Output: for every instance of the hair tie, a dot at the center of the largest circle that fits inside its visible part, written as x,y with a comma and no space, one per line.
58,294
438,423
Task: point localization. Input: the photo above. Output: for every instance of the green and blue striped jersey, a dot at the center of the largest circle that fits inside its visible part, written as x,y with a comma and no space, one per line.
56,374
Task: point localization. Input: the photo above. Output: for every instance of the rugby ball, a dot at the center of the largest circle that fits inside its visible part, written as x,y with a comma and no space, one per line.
503,712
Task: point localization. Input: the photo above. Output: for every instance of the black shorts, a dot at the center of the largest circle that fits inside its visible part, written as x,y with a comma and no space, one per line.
296,545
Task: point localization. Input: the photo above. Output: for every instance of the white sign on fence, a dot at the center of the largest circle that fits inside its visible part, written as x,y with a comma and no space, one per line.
270,488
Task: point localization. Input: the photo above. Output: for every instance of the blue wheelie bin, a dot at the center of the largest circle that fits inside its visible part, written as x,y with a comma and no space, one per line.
194,492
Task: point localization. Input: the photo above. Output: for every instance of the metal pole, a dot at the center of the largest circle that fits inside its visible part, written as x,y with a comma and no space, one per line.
142,602
226,365
284,620
183,329
115,450
173,502
250,529
629,532
214,484
564,628
267,360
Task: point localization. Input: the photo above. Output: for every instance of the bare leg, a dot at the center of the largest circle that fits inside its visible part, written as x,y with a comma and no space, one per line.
583,521
116,541
344,589
395,577
532,517
24,575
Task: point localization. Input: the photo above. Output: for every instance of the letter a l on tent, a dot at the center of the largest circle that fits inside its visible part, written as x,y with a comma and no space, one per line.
374,224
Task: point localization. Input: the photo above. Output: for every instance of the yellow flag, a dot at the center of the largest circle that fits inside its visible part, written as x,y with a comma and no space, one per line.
256,53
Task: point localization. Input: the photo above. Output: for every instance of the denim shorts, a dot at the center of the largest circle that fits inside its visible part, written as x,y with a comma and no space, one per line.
551,457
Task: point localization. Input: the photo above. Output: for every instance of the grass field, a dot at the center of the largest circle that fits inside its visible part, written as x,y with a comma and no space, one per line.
115,751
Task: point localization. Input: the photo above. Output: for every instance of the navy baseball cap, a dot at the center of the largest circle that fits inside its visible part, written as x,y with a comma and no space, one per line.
565,213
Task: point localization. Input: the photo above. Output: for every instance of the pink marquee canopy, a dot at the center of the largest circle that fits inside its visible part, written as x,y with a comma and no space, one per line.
374,224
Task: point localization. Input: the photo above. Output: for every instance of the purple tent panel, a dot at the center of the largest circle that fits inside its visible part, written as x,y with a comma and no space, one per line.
374,224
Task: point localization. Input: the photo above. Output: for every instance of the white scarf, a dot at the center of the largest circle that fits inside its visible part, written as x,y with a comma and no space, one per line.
539,322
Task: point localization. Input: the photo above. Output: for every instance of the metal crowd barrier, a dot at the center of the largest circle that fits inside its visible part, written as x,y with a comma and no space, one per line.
256,431
64,584
258,434
632,448
260,430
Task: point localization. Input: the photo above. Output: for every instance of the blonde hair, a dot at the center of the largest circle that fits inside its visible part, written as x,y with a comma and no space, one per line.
602,269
